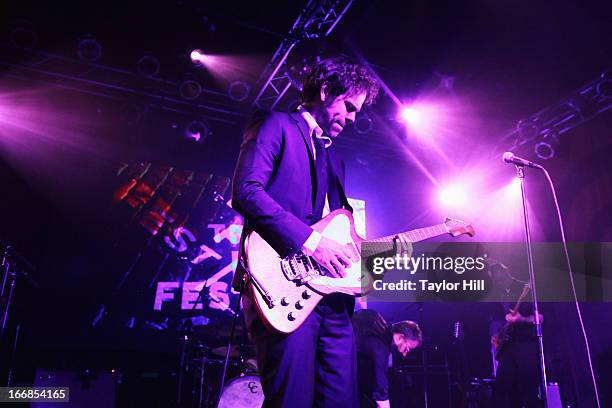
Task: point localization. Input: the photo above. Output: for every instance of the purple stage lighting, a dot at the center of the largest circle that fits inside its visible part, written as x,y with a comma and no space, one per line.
422,119
544,150
195,55
514,188
197,130
410,115
198,57
453,196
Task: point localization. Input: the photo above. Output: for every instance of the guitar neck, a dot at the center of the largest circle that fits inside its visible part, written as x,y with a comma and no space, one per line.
416,235
522,297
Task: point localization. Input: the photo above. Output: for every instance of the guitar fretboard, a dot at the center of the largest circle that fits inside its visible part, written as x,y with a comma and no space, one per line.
416,235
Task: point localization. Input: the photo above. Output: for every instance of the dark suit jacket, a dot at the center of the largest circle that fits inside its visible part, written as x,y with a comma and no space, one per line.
274,182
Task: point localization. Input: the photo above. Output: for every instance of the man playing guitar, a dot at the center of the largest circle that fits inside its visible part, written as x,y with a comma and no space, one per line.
287,179
515,342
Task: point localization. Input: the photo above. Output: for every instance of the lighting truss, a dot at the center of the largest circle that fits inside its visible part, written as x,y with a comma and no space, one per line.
316,20
579,107
114,83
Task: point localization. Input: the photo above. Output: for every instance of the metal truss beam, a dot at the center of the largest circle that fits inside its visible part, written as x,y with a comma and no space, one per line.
316,20
113,83
579,107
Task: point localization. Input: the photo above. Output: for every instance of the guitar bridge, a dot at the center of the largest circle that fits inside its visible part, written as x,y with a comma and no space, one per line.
300,268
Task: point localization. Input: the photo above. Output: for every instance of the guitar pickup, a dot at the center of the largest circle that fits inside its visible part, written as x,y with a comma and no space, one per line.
299,268
289,269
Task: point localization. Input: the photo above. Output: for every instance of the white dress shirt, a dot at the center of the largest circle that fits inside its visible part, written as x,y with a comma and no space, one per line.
315,131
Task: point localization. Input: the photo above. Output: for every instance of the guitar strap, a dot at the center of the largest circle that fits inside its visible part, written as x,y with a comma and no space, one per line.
322,171
334,181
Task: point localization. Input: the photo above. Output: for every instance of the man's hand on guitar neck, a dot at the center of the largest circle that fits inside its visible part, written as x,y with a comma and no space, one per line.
331,255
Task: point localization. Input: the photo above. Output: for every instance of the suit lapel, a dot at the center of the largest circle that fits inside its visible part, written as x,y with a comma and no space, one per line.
338,174
303,127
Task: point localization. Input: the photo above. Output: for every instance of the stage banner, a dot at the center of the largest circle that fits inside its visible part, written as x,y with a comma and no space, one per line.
177,241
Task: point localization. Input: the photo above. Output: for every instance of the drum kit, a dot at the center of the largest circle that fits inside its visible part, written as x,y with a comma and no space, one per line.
201,370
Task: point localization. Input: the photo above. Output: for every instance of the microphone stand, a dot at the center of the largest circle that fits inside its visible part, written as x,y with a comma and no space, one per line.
11,261
520,173
425,365
186,340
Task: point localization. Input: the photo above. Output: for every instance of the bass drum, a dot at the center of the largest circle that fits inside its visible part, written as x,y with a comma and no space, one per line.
242,392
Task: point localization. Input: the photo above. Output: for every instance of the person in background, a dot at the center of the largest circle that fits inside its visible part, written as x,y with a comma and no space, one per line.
375,339
515,342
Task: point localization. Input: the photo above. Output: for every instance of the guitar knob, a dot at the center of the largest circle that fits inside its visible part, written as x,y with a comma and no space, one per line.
299,304
284,301
306,294
291,316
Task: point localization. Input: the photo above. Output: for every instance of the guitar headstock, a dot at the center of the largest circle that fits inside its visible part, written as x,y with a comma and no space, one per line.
457,227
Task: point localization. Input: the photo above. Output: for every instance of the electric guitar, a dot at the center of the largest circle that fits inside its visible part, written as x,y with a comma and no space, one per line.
286,290
502,336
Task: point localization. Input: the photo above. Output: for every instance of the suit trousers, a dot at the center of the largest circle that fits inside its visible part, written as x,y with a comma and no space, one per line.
315,366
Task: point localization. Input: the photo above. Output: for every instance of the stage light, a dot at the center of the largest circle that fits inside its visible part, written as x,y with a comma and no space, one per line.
502,201
363,123
497,209
24,37
515,186
198,57
453,196
190,89
604,86
195,55
148,66
422,119
89,49
238,91
544,150
411,115
197,130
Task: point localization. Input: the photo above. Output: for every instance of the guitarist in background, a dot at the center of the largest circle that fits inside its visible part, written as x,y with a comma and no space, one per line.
515,341
287,179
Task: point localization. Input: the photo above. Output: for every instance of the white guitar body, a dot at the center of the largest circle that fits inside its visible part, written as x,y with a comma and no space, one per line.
292,302
286,290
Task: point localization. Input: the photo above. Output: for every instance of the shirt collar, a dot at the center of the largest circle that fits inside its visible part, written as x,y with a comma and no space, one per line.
313,126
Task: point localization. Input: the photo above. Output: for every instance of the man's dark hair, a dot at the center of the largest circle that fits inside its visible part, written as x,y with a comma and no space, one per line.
341,76
409,329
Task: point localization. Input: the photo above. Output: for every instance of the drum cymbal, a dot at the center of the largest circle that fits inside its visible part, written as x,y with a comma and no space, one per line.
236,351
217,330
220,351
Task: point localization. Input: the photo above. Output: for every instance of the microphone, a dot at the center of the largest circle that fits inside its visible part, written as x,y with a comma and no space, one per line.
510,158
